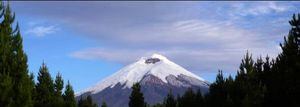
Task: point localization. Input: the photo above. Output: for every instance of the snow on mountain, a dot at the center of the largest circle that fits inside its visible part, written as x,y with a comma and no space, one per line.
156,65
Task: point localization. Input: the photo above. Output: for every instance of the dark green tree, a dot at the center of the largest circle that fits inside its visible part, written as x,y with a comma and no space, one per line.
158,105
33,91
6,82
286,70
248,83
69,96
103,104
22,82
87,102
5,90
58,87
218,94
136,98
44,88
188,99
199,99
170,101
13,61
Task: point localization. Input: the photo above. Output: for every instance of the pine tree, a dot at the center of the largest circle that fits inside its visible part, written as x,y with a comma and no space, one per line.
80,102
199,99
136,98
6,82
69,97
13,61
103,104
33,90
22,82
286,70
158,105
44,88
170,100
248,84
217,96
5,90
58,87
87,102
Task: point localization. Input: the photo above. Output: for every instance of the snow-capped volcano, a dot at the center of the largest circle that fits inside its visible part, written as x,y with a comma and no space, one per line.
151,72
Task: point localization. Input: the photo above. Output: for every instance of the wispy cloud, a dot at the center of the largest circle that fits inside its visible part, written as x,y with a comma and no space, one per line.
41,31
199,45
259,8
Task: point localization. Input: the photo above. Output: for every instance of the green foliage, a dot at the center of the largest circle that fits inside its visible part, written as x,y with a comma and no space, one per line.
44,88
5,90
17,86
103,104
88,102
13,62
170,100
136,98
285,70
69,96
188,99
218,92
58,87
158,105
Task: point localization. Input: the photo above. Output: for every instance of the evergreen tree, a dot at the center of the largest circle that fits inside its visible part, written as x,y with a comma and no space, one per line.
199,99
158,105
249,83
6,81
13,61
87,102
33,90
242,78
286,70
136,98
22,82
170,100
58,87
69,97
80,102
189,99
104,104
5,90
44,88
217,96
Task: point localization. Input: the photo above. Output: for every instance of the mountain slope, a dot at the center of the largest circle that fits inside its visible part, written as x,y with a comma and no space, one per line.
156,74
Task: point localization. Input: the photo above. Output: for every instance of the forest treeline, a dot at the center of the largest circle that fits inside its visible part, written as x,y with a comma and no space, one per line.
261,82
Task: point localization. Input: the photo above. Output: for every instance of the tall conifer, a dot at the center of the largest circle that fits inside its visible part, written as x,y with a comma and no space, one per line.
13,61
58,87
87,102
44,88
69,96
136,98
170,101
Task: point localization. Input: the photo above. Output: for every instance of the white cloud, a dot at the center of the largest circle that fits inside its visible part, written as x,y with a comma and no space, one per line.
259,8
199,45
41,31
205,60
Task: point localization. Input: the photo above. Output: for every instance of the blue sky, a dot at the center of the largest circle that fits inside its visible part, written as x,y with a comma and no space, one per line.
88,41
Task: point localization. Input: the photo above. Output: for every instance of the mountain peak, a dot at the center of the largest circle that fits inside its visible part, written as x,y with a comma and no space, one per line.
159,56
156,74
156,65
